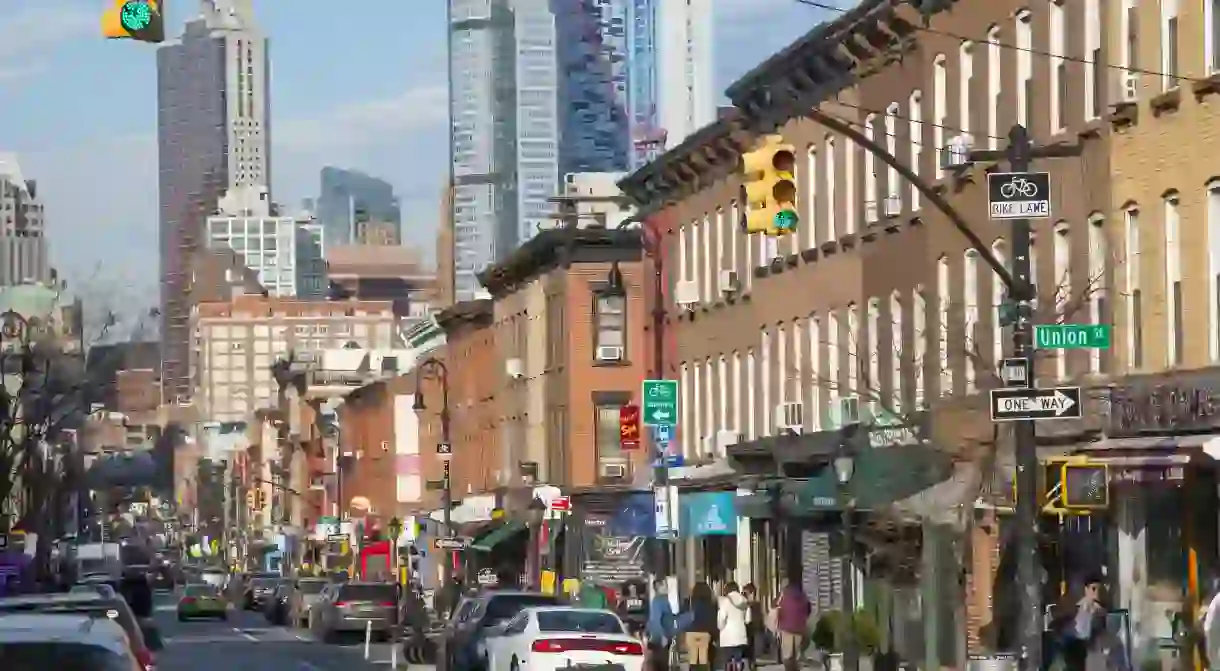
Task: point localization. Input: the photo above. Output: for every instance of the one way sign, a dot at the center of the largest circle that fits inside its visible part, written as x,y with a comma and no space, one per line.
1013,404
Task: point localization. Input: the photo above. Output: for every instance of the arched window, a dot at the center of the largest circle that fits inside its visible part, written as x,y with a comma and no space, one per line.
970,300
897,345
943,301
915,119
919,330
1062,248
999,249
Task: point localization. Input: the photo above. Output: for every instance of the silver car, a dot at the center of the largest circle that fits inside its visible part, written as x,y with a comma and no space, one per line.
354,607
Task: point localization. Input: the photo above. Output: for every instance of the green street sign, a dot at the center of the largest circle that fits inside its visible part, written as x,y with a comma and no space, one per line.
1072,336
660,407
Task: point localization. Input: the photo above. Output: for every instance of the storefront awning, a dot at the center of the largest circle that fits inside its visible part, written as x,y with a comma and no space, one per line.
500,534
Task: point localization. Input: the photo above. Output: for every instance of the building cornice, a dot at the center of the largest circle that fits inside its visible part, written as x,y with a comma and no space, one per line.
561,247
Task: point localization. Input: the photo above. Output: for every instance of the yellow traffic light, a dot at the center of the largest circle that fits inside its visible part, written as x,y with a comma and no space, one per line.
141,20
770,188
1085,486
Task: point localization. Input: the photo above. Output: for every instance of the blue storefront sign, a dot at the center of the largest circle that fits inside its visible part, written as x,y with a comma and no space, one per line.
708,514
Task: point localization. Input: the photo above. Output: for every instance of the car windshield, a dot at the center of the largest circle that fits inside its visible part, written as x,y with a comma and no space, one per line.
367,593
502,607
583,621
263,582
60,656
311,586
200,590
114,609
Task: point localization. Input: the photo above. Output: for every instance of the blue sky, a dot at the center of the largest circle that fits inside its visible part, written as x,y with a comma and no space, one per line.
363,89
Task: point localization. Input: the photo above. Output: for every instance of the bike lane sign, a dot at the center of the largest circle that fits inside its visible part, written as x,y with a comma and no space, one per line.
1019,195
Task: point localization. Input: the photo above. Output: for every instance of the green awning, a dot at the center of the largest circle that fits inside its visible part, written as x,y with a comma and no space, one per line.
883,476
488,541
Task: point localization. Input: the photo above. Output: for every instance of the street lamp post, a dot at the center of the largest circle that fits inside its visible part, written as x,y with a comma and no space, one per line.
536,510
845,468
436,367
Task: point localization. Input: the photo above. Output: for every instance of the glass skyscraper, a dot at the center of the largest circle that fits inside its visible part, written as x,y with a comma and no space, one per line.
349,197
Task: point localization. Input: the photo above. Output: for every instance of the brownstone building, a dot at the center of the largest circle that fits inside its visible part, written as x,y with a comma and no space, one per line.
877,310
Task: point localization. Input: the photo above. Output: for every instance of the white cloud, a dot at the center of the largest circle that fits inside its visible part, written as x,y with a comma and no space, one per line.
419,109
38,27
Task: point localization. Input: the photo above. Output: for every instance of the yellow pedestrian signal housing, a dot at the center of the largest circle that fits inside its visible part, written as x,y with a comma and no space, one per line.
1085,486
251,499
141,20
770,188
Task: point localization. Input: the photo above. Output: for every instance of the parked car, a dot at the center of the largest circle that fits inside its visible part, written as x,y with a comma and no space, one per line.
306,593
143,635
202,600
65,642
462,641
555,638
353,607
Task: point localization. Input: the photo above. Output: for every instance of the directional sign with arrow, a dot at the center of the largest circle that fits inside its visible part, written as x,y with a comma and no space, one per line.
1013,404
660,402
452,543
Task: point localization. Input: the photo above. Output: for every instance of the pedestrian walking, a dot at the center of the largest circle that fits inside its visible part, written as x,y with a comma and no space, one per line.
792,623
661,627
703,627
732,616
754,624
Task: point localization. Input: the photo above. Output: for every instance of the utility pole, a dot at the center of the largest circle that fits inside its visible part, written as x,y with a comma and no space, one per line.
1020,154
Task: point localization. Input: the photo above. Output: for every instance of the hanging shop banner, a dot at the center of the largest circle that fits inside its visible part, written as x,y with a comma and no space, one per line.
708,513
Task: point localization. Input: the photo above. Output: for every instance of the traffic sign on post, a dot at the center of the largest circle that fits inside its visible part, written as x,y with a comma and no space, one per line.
1072,336
1019,195
452,543
1016,403
660,402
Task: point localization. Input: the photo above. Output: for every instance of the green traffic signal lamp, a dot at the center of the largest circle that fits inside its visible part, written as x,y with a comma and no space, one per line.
786,221
135,16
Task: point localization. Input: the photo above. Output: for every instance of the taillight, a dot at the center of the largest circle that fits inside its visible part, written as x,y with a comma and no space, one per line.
145,658
188,599
553,645
341,604
388,604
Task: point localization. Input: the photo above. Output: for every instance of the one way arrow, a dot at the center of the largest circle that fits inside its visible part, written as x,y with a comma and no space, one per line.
1062,403
660,415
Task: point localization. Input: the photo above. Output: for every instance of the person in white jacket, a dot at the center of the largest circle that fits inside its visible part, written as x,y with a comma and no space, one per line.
733,614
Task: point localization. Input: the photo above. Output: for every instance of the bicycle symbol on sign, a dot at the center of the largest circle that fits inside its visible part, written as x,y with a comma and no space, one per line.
1019,186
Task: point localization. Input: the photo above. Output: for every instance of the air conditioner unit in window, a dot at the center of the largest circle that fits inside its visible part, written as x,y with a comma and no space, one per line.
686,293
613,471
514,368
728,281
1124,87
956,155
893,206
609,353
870,211
848,410
789,417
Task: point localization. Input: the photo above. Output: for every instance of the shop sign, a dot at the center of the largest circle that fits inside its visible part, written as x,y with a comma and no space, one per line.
1163,408
1135,475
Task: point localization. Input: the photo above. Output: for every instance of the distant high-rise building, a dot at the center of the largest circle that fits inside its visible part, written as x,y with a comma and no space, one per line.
285,251
23,243
684,84
350,199
213,134
595,115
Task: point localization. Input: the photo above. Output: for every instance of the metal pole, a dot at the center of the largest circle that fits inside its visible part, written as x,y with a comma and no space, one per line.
1020,152
447,480
851,652
662,548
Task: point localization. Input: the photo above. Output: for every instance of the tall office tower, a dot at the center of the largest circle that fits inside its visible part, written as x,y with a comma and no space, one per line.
23,243
686,97
213,134
647,136
504,142
594,62
349,199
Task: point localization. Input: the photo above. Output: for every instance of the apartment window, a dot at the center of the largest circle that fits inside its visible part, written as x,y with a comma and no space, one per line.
1211,34
685,392
999,249
850,150
809,231
872,316
891,144
1025,66
1131,29
919,330
1135,317
814,411
610,321
915,121
684,272
751,399
833,354
943,299
708,409
897,347
829,158
1058,65
696,436
781,364
798,365
1061,250
965,84
731,240
940,84
853,349
1169,44
738,391
607,435
697,259
724,240
970,289
870,172
1213,272
994,64
1173,280
1094,68
1098,281
765,381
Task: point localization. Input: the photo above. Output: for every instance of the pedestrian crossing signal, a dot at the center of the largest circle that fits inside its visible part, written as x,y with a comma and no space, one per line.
140,20
1085,486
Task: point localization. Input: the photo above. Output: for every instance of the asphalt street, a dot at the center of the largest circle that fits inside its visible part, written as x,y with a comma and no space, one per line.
247,642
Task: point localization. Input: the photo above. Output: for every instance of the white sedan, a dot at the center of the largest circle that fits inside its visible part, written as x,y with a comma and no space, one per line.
555,638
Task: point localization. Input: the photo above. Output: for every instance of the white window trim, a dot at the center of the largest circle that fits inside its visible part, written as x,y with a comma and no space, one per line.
970,301
685,383
1173,273
915,119
828,170
1025,64
809,231
797,379
940,85
891,144
751,395
1099,263
833,358
872,317
896,341
850,151
994,74
1092,42
919,316
870,171
1058,49
782,374
721,420
765,383
853,350
739,400
965,71
999,249
1211,14
697,435
1061,260
943,300
1168,10
1132,245
815,383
